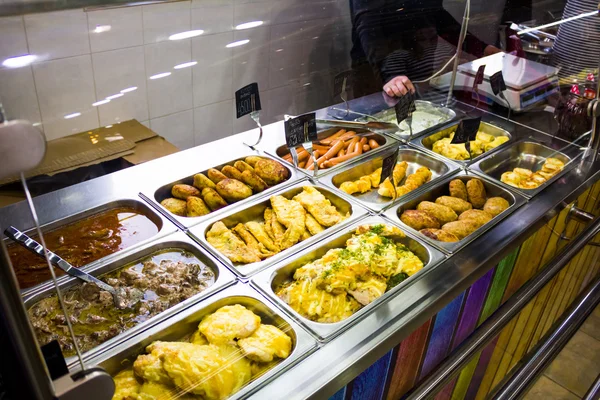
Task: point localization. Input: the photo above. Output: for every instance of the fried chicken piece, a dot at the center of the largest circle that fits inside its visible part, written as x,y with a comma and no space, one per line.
312,225
291,214
158,391
251,241
150,367
349,187
240,365
369,290
305,235
126,385
229,323
375,178
230,245
198,338
399,172
318,205
266,343
258,231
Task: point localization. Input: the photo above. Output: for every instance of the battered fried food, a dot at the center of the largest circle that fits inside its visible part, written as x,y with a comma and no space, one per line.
399,172
496,205
480,217
215,175
461,229
266,343
230,245
232,172
318,205
458,189
176,206
213,200
196,207
476,193
243,166
292,215
251,179
458,205
271,171
252,160
229,323
440,235
442,213
126,385
182,191
150,367
418,220
201,182
198,338
233,190
273,227
421,176
499,140
251,241
258,231
312,225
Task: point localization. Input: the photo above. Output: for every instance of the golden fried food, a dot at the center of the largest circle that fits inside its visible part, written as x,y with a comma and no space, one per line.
399,172
176,206
349,187
421,176
495,205
251,179
215,175
240,365
476,193
483,142
196,207
318,205
232,172
386,189
442,213
157,391
233,190
182,191
526,179
229,323
273,227
252,241
271,171
418,220
439,235
480,217
458,189
198,338
553,165
499,140
213,200
375,178
450,150
461,229
312,225
243,166
292,215
258,369
252,160
381,230
230,245
126,385
258,231
266,343
511,178
369,288
458,205
484,137
201,182
150,367
523,172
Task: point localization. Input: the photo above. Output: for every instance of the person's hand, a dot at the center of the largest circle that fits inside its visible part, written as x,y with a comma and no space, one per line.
398,86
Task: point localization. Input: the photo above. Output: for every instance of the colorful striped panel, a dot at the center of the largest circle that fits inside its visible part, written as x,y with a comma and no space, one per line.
370,385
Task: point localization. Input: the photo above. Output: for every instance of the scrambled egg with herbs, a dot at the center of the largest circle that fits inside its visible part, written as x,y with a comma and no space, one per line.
335,286
483,142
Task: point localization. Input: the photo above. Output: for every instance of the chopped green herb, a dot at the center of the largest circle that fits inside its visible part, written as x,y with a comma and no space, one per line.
377,229
396,280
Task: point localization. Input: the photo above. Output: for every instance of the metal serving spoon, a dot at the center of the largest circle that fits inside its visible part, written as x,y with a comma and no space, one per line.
121,297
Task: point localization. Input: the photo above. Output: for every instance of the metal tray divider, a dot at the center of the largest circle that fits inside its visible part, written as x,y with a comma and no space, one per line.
197,232
325,332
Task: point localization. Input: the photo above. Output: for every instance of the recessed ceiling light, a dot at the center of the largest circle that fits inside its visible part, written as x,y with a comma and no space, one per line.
162,75
19,61
238,43
129,89
186,34
69,116
102,28
248,25
99,103
185,65
114,96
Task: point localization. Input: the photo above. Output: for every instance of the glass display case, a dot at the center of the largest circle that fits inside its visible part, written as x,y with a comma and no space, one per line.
212,199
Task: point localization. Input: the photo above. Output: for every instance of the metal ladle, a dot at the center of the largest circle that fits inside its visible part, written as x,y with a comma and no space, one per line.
121,298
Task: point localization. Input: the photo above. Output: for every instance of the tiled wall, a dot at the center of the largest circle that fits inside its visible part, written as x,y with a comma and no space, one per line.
293,56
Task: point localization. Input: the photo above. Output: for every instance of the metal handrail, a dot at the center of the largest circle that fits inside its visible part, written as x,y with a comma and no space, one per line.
491,327
593,392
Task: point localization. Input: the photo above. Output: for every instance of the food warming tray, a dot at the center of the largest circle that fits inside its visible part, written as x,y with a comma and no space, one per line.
523,154
385,142
155,196
426,142
186,322
441,189
164,226
255,211
440,168
269,279
178,240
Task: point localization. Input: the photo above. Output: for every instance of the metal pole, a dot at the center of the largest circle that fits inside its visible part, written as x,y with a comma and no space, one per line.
461,38
490,328
593,392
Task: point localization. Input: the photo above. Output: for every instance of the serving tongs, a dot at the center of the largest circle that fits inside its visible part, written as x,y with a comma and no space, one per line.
121,297
373,126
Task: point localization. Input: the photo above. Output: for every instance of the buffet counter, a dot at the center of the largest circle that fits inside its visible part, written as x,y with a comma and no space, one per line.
325,357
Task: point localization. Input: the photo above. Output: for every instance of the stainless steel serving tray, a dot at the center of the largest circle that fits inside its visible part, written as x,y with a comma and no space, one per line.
385,142
440,168
426,142
255,211
186,322
271,278
178,240
164,226
441,189
525,153
448,115
155,196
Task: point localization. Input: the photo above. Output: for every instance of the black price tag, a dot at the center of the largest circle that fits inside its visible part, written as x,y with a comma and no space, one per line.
300,130
466,131
497,82
341,82
405,107
55,361
479,76
389,163
247,100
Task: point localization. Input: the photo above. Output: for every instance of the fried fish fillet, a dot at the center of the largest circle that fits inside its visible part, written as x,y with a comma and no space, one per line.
251,241
230,245
312,225
258,231
292,215
318,205
273,227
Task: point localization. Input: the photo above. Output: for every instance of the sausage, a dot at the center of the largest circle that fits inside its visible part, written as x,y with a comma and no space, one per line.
373,143
337,146
366,148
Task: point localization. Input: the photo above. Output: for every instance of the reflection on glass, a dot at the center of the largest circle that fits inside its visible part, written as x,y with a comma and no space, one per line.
129,89
99,103
248,25
185,65
20,61
186,34
238,43
161,75
102,28
114,96
69,116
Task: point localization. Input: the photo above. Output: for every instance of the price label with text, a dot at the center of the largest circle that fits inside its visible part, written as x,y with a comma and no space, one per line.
497,83
300,130
467,130
247,100
389,163
341,82
405,107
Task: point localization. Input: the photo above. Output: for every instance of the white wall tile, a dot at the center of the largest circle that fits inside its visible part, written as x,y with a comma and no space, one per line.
213,74
126,28
249,12
14,42
164,20
281,102
17,94
213,19
66,86
145,123
213,122
117,70
251,61
176,128
172,93
57,34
